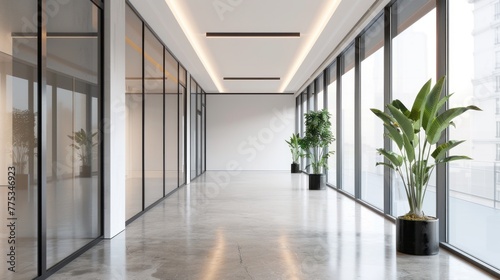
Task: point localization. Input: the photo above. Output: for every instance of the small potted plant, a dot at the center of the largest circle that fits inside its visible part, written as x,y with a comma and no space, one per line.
317,138
415,133
296,151
83,143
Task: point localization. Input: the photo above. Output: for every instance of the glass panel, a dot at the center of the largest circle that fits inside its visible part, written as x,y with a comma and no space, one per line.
332,108
153,118
372,96
320,94
303,126
73,191
18,139
474,185
182,133
193,130
171,132
203,131
414,62
348,121
133,99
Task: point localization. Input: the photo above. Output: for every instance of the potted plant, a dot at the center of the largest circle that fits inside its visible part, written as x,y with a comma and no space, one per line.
83,142
23,143
296,151
317,138
416,134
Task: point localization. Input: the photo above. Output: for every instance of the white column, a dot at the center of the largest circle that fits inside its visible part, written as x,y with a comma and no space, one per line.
114,118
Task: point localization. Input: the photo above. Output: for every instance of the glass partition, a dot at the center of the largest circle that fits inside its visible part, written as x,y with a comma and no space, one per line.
73,98
18,138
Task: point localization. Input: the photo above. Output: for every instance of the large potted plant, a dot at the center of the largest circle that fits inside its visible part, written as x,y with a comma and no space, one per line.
317,138
83,143
415,133
296,151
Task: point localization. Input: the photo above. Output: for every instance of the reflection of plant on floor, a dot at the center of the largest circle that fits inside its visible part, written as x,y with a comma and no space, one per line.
83,144
23,138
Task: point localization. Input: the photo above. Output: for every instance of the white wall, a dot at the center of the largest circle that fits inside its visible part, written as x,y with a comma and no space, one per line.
249,131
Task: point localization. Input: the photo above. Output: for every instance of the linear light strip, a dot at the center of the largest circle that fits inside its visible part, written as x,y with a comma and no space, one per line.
254,34
252,78
317,30
183,21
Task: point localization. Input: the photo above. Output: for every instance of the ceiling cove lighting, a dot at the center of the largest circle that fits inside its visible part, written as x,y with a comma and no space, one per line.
252,78
184,23
253,34
319,26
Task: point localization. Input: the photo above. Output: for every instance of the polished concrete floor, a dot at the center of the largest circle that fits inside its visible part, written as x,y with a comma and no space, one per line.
259,225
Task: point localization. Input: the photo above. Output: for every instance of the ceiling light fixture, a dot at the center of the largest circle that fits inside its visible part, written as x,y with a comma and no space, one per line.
251,78
188,30
308,45
253,34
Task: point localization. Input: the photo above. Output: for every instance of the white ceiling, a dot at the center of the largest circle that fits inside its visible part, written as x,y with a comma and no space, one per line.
294,60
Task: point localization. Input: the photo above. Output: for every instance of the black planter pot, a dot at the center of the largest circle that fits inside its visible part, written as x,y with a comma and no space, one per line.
417,237
295,168
317,181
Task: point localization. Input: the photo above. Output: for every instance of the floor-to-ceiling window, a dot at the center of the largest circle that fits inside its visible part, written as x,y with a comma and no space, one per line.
413,62
474,185
332,108
347,126
320,95
372,96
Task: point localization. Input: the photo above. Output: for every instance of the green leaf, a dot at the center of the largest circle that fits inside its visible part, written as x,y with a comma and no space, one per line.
453,158
441,150
394,134
420,101
431,104
410,150
401,107
404,122
386,164
386,118
443,121
394,158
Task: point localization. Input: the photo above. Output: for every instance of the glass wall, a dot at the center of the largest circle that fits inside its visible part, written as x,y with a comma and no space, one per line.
171,141
134,113
182,125
68,98
347,118
414,63
197,129
18,138
153,118
372,96
193,131
474,186
332,108
73,97
407,52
